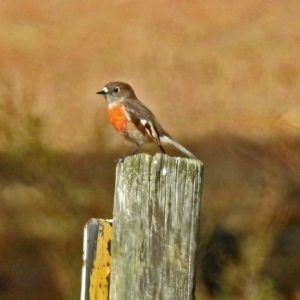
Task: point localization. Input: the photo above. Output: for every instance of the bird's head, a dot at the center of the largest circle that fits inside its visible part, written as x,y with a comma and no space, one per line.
117,91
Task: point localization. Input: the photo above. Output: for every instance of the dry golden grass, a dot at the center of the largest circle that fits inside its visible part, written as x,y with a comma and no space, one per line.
222,77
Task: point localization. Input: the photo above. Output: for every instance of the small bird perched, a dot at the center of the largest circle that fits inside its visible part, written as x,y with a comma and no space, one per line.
132,119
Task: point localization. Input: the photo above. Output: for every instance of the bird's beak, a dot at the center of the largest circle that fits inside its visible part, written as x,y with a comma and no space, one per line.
104,91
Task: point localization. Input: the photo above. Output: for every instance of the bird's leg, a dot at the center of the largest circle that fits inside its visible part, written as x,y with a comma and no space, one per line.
136,149
131,154
162,149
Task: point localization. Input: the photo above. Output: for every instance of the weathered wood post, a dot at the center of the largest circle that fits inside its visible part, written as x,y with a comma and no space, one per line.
155,221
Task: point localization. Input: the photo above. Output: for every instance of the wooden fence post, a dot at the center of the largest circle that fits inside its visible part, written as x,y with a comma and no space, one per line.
156,220
96,260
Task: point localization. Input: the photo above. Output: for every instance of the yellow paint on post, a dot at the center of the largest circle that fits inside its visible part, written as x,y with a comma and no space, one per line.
100,276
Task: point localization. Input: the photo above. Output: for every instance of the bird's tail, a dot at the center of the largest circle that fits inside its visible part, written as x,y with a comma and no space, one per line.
168,140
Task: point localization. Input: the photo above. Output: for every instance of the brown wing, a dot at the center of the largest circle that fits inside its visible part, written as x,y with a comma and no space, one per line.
144,120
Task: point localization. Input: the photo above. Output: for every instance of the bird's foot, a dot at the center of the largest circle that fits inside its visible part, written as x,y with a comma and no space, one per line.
122,158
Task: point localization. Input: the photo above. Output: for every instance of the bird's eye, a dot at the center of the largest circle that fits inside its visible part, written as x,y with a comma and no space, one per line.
116,89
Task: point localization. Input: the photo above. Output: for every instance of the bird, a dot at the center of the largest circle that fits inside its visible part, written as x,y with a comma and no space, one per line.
133,120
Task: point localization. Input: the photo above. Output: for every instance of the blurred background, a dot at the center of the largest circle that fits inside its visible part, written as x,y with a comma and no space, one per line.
223,79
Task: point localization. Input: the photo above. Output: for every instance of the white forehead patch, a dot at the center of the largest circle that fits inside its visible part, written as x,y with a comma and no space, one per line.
105,89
